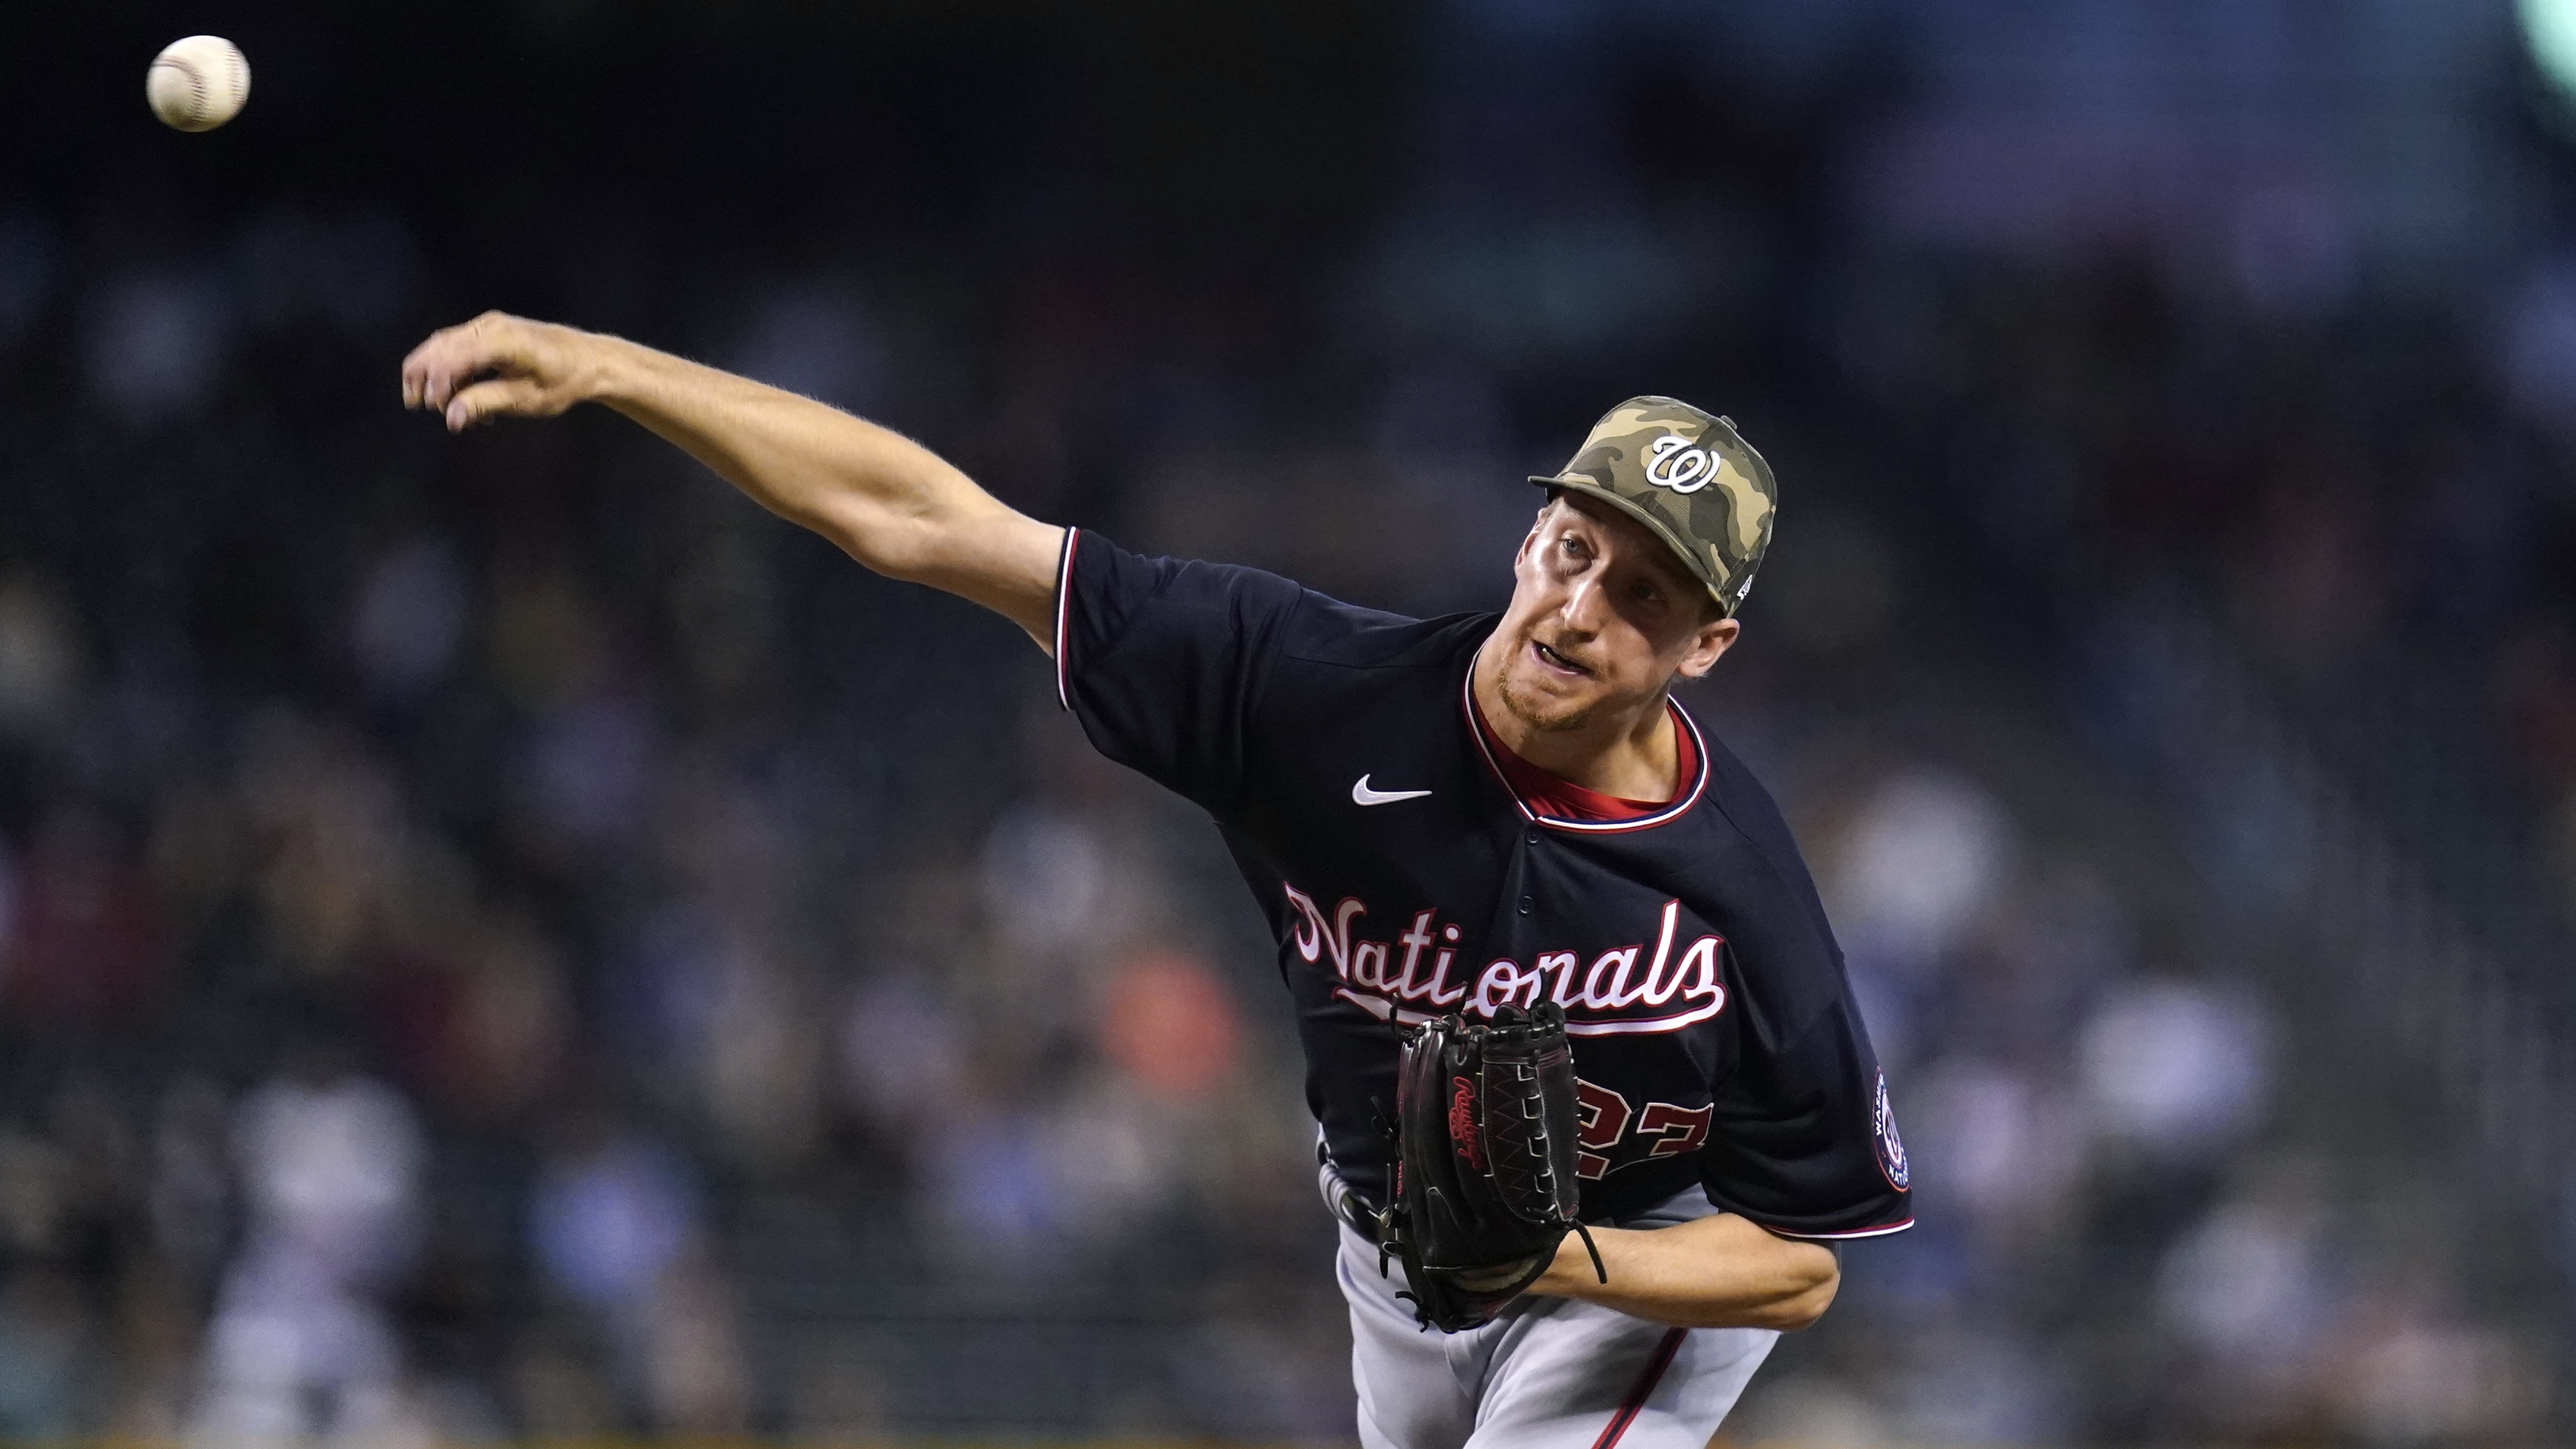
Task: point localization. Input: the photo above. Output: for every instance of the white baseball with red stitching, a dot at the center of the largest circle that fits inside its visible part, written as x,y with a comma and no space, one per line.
198,83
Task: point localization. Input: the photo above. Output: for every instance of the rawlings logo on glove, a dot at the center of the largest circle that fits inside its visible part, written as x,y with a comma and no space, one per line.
1462,1122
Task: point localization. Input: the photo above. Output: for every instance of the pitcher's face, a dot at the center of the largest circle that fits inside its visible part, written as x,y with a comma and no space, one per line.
1603,617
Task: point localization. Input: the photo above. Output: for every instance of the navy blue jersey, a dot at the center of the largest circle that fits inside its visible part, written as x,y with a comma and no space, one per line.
1714,1033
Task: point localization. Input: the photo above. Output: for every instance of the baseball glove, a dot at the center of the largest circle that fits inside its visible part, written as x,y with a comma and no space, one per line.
1484,1185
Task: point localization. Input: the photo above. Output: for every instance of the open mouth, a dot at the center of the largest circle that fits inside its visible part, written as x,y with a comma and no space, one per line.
1556,661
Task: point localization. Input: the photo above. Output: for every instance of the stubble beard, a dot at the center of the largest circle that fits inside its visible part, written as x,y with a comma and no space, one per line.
1532,713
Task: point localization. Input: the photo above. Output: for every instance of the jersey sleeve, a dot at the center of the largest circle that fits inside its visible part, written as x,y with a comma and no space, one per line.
1801,1139
1163,661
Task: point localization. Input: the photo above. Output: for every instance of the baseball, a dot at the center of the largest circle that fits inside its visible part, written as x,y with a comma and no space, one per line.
198,83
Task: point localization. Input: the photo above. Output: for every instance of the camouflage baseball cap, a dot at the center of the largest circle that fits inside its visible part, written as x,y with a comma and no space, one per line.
1690,479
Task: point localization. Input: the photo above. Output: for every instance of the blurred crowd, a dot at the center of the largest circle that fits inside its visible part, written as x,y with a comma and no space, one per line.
498,937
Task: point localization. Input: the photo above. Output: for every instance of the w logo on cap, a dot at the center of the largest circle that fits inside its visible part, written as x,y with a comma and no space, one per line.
1672,462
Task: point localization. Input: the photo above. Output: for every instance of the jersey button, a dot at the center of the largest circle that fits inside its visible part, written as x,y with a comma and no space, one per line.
1525,905
1533,837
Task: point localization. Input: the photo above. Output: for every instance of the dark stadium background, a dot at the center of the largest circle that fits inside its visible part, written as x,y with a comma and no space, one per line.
499,939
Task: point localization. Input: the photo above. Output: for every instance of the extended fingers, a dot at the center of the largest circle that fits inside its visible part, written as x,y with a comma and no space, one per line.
453,356
436,368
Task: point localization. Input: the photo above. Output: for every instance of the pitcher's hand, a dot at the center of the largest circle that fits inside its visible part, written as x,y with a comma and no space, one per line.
501,366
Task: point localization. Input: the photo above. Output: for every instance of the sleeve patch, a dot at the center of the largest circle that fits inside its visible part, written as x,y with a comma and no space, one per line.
1891,1148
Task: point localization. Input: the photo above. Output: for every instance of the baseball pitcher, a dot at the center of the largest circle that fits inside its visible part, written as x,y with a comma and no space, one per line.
1594,1101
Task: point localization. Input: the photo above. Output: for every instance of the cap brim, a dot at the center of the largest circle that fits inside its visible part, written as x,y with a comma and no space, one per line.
1656,526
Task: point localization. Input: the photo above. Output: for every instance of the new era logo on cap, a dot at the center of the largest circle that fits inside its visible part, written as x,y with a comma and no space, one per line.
1690,478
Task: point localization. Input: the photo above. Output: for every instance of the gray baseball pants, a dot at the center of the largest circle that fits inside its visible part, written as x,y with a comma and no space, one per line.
1547,1373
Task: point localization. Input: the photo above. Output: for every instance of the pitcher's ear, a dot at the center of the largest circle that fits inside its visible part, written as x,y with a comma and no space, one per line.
1714,639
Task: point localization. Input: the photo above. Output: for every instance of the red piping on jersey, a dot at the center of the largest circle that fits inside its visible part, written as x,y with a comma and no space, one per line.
1063,611
1638,1392
1680,803
1561,799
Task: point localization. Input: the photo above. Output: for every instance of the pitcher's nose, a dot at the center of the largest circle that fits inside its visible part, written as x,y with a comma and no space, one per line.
1584,605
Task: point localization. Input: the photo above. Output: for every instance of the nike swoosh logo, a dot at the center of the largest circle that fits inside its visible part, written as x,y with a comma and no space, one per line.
1361,794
